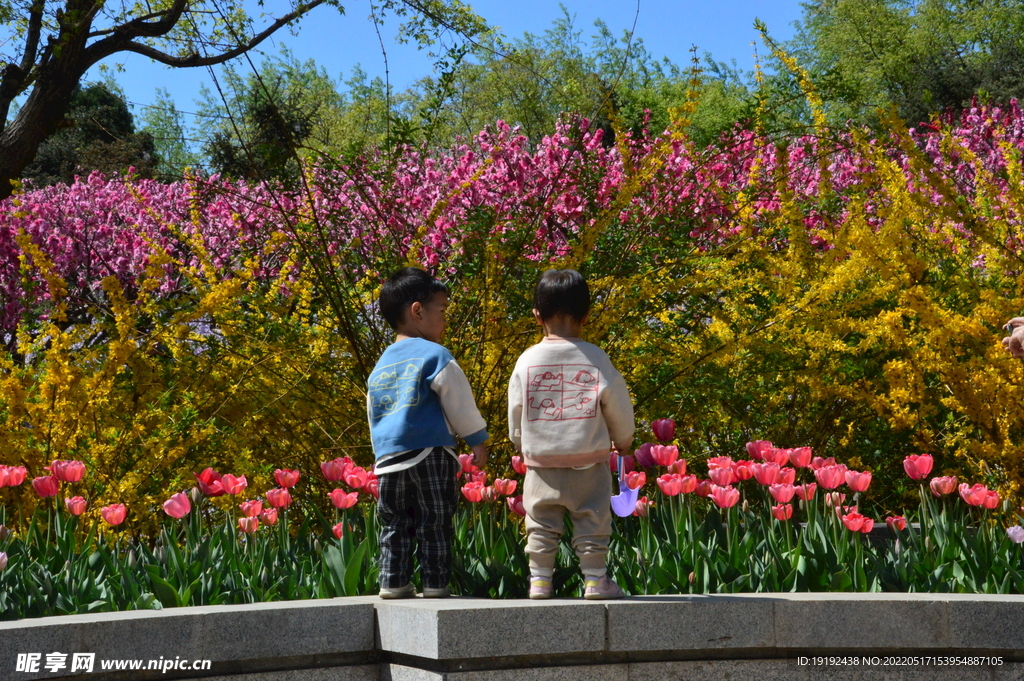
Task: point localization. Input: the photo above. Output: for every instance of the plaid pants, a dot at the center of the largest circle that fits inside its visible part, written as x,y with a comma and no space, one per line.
418,502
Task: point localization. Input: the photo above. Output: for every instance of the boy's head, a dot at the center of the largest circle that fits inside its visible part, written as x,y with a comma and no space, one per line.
562,292
413,303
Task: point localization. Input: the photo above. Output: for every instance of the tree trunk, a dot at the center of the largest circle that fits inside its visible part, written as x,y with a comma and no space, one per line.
42,115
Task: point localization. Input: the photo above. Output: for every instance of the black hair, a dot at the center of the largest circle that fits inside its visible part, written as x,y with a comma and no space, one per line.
403,288
562,292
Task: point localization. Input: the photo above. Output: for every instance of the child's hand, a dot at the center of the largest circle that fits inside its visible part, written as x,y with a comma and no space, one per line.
624,450
480,455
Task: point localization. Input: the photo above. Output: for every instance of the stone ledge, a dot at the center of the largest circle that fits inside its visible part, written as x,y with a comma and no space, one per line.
358,639
257,637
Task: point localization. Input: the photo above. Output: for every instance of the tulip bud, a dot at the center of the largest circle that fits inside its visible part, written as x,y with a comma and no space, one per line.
196,495
745,506
692,577
4,533
3,561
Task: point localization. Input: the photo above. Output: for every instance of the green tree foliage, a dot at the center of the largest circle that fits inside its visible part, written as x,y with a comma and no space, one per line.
921,56
174,150
100,135
265,122
532,80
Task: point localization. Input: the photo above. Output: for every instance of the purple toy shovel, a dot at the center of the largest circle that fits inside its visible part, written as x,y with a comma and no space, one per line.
624,503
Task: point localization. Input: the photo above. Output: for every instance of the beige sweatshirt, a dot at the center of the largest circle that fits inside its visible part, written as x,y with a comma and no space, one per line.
567,404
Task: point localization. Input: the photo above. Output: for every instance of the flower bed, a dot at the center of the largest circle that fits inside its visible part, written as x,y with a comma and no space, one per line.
736,531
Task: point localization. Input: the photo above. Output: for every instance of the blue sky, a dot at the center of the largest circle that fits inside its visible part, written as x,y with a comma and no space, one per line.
339,42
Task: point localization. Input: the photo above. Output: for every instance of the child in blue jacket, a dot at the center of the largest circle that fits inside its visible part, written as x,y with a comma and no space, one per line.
418,400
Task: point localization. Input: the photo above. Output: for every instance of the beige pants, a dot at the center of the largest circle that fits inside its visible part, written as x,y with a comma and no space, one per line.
586,494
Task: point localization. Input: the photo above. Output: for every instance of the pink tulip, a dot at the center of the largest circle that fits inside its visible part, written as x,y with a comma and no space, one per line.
178,506
477,476
76,505
943,486
664,430
46,486
68,471
991,500
765,473
473,491
786,476
3,476
505,487
800,457
782,494
703,488
16,475
114,514
973,495
643,455
777,455
722,476
721,462
209,483
251,509
664,455
1015,533
518,465
636,479
233,485
466,461
373,488
830,477
342,499
806,492
854,521
757,448
268,516
286,478
918,466
279,497
248,524
896,522
488,493
643,507
338,530
742,470
724,497
818,462
335,469
835,499
858,482
515,504
867,525
3,561
670,484
678,468
356,477
689,484
782,511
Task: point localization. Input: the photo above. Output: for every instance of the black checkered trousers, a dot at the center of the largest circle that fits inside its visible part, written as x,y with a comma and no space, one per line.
418,502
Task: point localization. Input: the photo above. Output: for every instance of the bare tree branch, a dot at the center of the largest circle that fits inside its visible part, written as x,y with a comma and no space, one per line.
123,41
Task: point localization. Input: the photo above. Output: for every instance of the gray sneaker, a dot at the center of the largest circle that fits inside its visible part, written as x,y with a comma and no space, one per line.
439,592
407,591
602,589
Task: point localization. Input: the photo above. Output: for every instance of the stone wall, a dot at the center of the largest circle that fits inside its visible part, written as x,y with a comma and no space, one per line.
762,636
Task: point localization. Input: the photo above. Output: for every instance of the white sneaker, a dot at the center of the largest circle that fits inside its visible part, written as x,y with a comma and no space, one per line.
407,591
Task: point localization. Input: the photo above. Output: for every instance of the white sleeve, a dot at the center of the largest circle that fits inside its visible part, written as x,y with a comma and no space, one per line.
456,395
617,409
515,409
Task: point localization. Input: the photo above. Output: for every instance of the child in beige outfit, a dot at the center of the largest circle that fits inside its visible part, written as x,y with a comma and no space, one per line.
568,408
